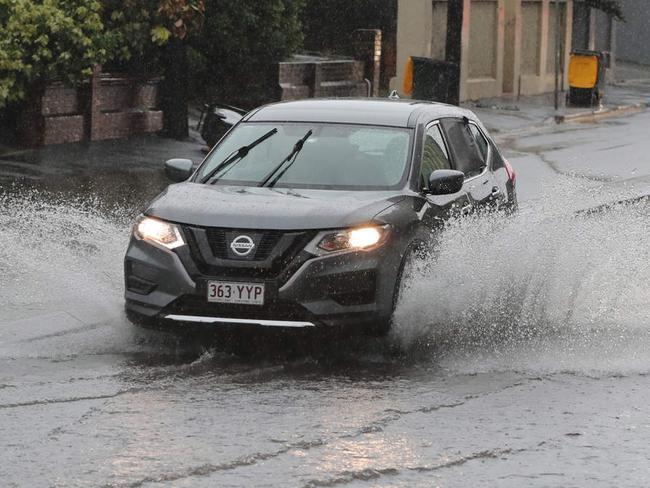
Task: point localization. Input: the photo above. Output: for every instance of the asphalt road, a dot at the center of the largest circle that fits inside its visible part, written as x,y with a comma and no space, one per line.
521,357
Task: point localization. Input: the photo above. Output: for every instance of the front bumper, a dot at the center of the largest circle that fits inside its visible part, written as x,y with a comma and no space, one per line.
352,289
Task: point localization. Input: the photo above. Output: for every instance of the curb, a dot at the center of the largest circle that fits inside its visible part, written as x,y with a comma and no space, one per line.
592,116
595,115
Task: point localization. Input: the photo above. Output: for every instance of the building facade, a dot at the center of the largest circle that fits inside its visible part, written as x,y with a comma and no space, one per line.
507,46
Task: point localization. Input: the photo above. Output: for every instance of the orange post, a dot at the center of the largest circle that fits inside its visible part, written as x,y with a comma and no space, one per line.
407,87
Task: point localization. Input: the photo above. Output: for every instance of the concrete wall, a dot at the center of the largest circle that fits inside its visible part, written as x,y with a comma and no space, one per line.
483,48
507,45
512,45
530,69
415,34
633,35
422,31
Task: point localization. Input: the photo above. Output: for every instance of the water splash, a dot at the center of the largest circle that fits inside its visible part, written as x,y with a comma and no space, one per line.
61,282
563,288
549,283
54,246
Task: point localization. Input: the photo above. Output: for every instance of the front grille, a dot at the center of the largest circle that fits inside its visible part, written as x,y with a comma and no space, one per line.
267,244
218,239
276,253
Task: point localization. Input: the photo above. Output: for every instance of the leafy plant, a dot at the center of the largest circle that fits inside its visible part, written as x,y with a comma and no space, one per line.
329,25
137,29
48,39
240,44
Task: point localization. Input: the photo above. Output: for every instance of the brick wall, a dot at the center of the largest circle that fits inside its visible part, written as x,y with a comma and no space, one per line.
108,107
121,125
321,77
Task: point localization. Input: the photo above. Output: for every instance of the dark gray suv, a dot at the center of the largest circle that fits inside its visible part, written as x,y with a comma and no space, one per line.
306,212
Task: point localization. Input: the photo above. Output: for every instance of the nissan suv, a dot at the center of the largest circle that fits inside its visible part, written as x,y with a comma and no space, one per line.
306,213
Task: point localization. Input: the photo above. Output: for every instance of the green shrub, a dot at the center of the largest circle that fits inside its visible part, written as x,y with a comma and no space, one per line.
48,39
329,25
238,48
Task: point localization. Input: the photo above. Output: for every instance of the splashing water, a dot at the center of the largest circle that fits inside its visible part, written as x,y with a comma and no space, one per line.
547,283
56,246
547,288
60,268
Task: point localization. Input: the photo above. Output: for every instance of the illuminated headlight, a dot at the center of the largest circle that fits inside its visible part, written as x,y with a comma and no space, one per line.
158,231
362,238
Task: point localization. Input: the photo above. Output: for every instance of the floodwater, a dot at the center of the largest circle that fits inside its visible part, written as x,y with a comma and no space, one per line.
520,357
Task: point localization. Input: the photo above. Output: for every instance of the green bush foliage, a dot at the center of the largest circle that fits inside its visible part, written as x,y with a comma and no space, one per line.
240,43
48,39
329,25
137,29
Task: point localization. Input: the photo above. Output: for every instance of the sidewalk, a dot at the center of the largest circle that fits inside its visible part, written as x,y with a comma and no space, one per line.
510,115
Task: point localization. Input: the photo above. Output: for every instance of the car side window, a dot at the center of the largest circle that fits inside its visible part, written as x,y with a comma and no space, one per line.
434,154
481,142
466,154
497,159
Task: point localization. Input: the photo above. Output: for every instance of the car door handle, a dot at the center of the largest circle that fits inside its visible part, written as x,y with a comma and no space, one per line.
496,191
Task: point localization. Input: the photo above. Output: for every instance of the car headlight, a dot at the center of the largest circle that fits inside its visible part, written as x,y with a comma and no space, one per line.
158,231
361,238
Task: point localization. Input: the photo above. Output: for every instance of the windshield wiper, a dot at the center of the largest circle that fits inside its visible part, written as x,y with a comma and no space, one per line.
237,155
290,157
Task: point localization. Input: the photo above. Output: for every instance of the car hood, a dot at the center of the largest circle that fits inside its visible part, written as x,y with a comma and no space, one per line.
247,207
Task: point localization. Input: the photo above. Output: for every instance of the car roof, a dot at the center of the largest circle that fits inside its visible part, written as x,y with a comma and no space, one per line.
368,111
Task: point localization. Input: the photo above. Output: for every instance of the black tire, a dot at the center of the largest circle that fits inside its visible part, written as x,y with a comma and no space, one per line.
513,206
414,252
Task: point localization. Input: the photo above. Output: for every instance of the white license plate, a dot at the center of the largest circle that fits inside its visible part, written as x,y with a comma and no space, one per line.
236,292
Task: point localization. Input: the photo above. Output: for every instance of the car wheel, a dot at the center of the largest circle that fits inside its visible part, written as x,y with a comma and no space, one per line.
409,265
513,208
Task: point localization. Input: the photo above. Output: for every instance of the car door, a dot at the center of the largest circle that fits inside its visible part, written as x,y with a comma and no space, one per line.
470,153
435,155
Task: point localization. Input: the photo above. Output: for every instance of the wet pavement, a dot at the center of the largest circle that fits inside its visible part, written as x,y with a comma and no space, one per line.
514,114
521,356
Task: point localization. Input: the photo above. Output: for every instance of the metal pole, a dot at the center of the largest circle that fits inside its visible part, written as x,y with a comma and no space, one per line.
453,47
557,54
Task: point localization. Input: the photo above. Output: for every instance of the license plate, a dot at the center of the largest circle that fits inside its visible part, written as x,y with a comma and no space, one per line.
236,292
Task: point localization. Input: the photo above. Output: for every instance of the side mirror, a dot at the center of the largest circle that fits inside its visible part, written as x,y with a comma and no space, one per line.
178,169
445,181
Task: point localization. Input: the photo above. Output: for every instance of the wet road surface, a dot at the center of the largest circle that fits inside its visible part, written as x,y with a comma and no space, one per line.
521,356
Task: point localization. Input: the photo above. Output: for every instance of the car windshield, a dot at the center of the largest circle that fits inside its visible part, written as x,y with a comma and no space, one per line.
334,156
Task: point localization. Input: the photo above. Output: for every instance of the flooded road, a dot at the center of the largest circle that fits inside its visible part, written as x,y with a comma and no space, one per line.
521,354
